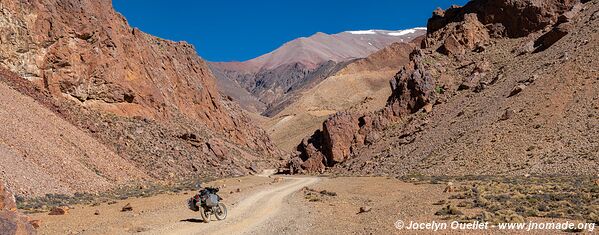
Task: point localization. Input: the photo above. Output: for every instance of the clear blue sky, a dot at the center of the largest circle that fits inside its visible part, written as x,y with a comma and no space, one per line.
228,30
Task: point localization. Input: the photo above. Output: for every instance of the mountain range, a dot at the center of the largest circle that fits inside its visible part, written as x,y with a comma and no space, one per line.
269,83
496,88
502,88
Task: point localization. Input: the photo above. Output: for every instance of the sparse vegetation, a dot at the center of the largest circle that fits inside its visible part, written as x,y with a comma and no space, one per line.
449,210
49,201
439,90
313,195
505,199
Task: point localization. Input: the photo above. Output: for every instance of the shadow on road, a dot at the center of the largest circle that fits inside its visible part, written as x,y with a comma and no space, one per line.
192,220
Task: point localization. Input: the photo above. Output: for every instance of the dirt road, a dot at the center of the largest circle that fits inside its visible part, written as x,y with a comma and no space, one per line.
263,205
246,215
251,202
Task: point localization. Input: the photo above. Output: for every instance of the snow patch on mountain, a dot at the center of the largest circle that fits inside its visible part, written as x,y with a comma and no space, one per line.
395,33
363,32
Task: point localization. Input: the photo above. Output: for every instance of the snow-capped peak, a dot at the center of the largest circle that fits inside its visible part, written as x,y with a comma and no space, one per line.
363,32
404,32
387,32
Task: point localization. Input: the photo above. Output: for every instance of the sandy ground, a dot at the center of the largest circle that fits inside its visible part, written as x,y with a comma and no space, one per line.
266,206
259,199
152,213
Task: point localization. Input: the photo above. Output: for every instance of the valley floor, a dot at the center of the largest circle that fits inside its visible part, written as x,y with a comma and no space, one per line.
286,205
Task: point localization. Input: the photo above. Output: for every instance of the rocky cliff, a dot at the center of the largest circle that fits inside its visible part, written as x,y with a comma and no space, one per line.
85,51
499,87
151,101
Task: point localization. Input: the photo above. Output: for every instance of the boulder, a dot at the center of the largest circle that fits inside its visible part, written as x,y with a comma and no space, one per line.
35,223
365,209
509,113
451,46
339,131
517,89
127,207
449,188
295,165
11,221
372,137
334,144
315,163
459,37
311,158
412,88
449,210
470,82
428,108
61,210
551,37
527,47
254,167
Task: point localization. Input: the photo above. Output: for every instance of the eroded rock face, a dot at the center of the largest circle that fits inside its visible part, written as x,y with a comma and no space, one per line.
342,134
330,146
339,133
458,37
85,51
452,32
459,29
518,17
413,88
11,221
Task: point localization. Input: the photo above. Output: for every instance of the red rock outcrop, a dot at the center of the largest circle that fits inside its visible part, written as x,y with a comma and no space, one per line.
560,29
460,36
339,133
518,17
413,87
455,31
11,221
85,51
134,95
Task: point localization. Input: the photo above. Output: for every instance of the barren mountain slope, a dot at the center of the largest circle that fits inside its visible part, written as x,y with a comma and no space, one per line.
483,97
150,101
165,152
42,153
361,86
275,79
237,93
322,47
85,51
